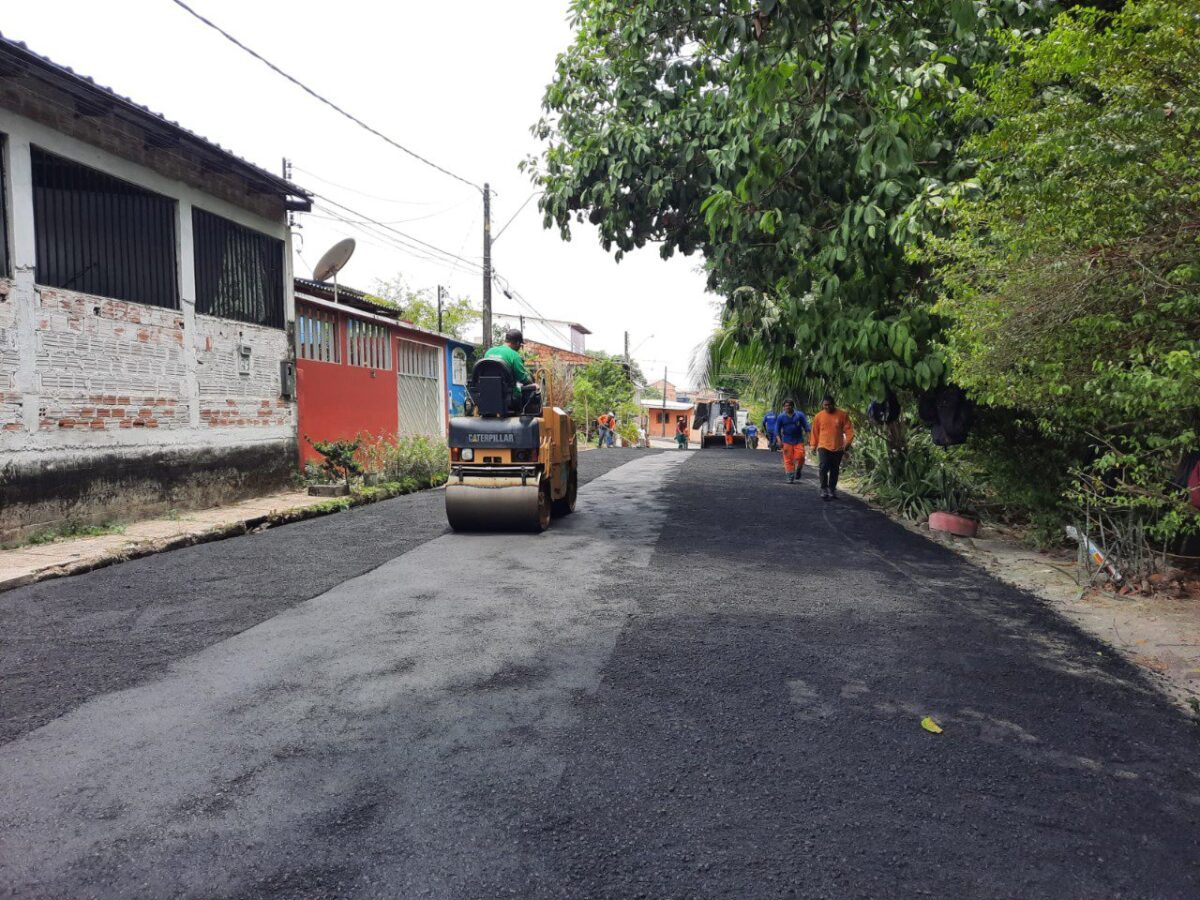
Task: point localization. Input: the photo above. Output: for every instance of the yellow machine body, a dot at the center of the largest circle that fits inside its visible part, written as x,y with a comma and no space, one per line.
511,473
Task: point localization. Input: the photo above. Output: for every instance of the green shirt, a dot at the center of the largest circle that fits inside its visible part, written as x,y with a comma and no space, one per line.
513,358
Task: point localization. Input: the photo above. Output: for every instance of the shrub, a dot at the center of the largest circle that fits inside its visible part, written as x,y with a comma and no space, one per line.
340,462
913,482
418,459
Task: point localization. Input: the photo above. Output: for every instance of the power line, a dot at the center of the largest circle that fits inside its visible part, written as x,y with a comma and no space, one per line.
350,190
404,237
382,239
357,121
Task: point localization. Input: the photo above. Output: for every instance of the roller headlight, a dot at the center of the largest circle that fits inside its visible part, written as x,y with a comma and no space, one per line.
467,454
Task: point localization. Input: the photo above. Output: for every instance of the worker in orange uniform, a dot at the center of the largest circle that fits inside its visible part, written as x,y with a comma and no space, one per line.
791,426
730,430
832,434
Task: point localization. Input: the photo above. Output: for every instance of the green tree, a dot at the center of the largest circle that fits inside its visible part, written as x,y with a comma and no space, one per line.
603,386
420,307
1071,271
801,147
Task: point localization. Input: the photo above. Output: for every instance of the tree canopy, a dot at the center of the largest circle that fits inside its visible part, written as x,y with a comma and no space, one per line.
799,146
420,306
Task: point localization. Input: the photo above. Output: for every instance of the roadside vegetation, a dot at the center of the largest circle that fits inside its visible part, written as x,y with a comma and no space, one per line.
373,466
994,195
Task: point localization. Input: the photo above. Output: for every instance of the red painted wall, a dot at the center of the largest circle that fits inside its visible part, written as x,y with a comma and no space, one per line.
340,401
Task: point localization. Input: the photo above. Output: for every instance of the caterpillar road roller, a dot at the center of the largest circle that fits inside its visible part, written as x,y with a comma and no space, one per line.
513,464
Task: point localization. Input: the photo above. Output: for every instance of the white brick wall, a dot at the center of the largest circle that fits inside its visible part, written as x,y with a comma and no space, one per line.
10,398
228,398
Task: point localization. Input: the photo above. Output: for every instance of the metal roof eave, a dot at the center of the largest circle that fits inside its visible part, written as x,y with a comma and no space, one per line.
17,60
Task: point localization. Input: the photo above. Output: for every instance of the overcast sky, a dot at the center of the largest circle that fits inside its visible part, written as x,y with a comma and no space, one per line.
459,83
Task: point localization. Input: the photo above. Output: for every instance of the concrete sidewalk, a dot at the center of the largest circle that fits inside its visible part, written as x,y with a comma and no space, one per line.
35,562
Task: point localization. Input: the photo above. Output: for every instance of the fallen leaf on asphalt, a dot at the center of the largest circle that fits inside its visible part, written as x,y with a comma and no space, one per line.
931,726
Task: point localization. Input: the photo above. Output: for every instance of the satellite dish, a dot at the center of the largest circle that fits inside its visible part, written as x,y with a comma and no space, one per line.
334,259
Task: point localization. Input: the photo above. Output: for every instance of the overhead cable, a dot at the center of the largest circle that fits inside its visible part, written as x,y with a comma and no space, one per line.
353,118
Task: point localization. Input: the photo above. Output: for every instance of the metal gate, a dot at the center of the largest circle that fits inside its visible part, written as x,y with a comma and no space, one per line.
419,388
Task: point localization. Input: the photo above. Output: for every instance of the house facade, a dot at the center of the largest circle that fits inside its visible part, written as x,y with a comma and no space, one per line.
146,309
361,370
659,418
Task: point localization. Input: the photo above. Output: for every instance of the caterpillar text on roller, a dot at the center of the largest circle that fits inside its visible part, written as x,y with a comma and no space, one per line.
513,464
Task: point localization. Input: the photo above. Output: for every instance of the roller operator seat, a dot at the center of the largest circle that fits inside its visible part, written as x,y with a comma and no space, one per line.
493,390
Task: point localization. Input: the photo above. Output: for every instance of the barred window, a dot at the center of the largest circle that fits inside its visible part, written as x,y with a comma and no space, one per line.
419,360
317,336
459,375
239,272
368,344
97,234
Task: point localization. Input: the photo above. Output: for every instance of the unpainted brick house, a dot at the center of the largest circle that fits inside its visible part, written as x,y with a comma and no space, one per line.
146,309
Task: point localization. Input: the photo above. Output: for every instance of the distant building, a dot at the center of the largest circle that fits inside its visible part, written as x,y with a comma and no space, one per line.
540,351
146,307
665,389
660,417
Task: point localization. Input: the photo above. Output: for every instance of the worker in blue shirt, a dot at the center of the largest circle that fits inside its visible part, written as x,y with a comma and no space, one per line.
769,420
792,426
751,432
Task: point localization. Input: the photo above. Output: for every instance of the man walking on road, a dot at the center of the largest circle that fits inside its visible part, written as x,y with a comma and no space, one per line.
832,435
791,427
602,429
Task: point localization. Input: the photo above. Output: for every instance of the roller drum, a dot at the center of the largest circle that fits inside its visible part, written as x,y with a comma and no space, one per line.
486,505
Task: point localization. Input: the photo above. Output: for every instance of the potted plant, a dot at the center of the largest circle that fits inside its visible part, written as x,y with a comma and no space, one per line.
954,514
339,466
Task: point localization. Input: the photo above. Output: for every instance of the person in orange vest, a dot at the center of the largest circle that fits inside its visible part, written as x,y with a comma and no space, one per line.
791,428
831,435
730,430
612,429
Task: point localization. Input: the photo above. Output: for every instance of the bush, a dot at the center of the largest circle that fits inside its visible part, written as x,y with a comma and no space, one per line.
914,482
418,459
340,462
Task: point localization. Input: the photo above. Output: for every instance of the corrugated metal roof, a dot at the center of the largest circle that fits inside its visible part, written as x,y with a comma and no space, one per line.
17,60
322,292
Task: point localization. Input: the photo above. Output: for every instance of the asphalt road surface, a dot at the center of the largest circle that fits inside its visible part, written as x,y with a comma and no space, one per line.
705,683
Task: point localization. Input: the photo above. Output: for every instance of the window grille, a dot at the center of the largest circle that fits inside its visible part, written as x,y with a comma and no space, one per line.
459,375
317,336
100,235
419,360
367,344
239,272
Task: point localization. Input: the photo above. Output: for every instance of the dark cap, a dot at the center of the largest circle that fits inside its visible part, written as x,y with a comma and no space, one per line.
514,336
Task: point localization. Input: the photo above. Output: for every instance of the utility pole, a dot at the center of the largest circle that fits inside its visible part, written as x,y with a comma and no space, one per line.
521,319
487,266
627,360
665,416
439,289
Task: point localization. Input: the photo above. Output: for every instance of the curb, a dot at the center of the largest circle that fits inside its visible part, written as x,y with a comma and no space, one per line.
219,533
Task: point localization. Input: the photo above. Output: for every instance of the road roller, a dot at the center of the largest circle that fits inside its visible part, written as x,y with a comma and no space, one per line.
514,465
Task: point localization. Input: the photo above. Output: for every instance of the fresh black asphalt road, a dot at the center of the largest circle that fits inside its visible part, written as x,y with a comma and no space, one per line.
706,683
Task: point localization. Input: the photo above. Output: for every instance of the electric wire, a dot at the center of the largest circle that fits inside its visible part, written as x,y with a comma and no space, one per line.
312,93
342,187
402,236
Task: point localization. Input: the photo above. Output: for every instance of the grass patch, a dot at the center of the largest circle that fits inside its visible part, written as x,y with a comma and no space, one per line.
69,530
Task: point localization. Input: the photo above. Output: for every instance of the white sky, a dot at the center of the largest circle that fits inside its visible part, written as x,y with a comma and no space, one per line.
459,83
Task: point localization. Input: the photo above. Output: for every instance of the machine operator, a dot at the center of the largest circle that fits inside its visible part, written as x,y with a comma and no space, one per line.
510,352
